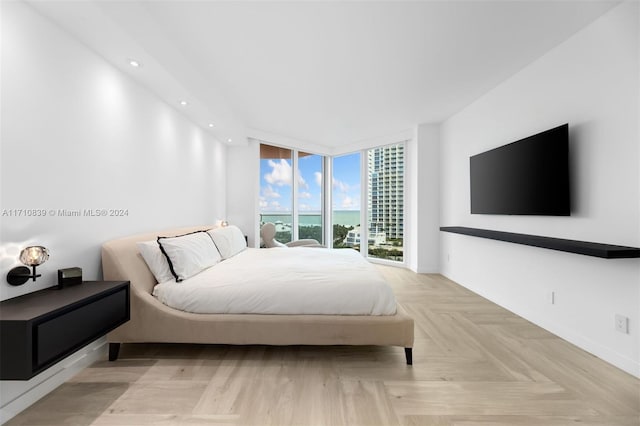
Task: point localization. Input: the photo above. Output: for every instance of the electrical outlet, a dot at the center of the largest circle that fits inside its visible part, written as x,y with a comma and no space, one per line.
622,324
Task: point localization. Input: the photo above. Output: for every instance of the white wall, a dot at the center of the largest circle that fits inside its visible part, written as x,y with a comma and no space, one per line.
590,81
79,134
422,195
243,177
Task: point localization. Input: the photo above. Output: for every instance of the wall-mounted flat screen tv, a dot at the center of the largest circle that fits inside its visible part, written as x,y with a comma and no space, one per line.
526,177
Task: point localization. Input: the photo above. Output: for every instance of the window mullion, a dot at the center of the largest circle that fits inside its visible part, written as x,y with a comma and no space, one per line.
364,203
327,200
294,195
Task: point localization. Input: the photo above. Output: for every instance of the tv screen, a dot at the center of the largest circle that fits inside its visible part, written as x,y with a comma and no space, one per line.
526,177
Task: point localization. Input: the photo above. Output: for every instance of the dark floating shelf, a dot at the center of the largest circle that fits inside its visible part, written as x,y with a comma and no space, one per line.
605,251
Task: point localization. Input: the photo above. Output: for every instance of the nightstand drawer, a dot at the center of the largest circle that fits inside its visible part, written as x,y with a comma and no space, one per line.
41,328
78,327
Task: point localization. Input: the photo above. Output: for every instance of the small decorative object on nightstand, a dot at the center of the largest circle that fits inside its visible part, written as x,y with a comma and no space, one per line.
69,276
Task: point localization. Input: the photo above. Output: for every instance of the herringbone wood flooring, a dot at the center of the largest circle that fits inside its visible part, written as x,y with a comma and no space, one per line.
474,364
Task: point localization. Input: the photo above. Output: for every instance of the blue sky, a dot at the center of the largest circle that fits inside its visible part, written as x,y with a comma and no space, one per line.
276,178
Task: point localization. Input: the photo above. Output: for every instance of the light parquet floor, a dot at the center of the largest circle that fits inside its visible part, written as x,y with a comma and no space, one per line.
475,363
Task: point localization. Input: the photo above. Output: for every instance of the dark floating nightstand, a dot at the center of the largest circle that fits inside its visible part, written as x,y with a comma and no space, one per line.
41,328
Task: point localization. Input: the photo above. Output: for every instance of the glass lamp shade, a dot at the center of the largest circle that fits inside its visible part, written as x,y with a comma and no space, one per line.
34,255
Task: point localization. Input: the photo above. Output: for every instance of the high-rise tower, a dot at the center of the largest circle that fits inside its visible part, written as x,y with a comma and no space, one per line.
386,190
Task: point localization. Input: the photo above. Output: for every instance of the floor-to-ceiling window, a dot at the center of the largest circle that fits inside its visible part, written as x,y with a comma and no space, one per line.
310,196
346,196
294,205
367,198
385,202
276,190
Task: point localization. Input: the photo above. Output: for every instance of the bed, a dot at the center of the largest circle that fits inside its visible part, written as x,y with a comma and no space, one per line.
155,322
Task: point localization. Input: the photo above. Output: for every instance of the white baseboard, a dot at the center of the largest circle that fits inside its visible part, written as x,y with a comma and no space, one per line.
606,354
425,269
17,395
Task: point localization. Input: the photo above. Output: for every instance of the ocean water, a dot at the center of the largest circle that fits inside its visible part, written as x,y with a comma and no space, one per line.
340,217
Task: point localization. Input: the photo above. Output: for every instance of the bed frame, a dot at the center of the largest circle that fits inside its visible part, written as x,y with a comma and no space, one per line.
153,322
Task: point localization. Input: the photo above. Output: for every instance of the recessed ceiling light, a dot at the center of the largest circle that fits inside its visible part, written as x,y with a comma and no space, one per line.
229,140
134,63
210,124
184,103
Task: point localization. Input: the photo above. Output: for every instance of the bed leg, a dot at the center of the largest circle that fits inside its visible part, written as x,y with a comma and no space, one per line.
114,350
408,353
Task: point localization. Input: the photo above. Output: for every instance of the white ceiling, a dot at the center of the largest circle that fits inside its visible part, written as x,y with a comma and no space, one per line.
321,75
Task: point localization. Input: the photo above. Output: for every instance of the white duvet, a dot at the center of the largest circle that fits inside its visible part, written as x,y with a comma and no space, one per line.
284,281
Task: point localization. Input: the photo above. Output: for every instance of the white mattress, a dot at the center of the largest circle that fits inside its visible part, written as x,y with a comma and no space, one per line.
284,281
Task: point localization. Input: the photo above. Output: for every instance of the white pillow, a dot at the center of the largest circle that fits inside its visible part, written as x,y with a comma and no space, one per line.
229,240
156,261
189,254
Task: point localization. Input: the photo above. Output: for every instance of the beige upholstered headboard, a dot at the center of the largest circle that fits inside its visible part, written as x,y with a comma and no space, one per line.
121,259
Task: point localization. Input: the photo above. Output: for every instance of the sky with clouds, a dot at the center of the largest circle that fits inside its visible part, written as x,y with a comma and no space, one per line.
276,177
